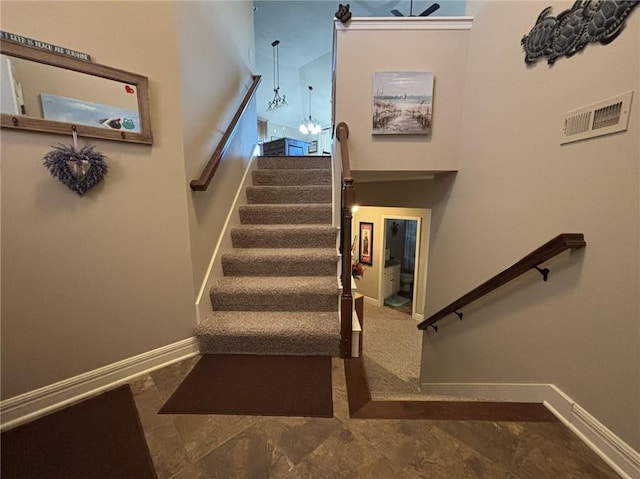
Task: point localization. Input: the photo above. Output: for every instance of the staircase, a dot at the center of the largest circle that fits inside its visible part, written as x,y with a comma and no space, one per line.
279,293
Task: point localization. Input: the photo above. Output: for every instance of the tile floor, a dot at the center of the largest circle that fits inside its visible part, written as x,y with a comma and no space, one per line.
226,447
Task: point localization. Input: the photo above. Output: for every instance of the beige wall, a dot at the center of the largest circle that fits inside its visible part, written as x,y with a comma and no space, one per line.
360,53
214,44
90,281
369,283
516,188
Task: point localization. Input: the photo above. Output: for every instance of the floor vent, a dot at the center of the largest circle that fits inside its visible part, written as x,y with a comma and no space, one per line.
602,118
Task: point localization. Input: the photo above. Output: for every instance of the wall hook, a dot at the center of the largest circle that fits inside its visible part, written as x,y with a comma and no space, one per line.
74,134
543,271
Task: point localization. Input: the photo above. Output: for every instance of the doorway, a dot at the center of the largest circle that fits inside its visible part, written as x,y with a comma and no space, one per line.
401,237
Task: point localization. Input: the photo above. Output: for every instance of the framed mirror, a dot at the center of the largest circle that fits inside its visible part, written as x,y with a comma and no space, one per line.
54,93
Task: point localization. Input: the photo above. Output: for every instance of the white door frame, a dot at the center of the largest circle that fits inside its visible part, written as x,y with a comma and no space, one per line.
383,222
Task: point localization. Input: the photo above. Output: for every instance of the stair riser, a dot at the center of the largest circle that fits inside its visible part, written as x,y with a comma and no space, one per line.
278,332
288,194
247,301
279,268
265,215
291,177
283,239
276,345
294,162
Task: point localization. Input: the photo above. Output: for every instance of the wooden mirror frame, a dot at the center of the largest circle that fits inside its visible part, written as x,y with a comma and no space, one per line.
30,123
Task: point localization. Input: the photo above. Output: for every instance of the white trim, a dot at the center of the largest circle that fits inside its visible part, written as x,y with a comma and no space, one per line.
489,391
376,302
621,457
418,254
33,404
204,307
405,23
356,331
372,301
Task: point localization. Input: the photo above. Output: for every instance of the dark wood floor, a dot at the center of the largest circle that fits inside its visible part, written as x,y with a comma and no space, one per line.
361,406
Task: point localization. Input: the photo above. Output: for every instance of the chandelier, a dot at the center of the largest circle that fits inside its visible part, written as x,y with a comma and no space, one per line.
310,126
278,101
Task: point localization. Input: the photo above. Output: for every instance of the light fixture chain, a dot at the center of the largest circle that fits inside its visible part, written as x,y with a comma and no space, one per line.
274,71
278,63
278,101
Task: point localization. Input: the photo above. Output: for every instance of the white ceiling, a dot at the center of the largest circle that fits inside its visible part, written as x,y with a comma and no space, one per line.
305,31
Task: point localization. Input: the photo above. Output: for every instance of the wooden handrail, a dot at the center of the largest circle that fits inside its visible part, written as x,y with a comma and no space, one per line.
533,260
342,133
209,170
348,200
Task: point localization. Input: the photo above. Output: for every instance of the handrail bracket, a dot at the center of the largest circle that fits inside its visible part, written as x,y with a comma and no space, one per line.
543,271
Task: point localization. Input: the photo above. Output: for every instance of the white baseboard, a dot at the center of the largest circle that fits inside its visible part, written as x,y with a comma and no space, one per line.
28,406
621,457
372,301
203,303
614,451
378,302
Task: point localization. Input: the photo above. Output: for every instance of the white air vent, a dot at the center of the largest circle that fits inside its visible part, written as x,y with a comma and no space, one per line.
602,118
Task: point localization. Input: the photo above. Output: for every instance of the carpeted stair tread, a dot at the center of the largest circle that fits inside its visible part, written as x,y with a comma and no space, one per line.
294,162
302,213
280,262
279,291
275,293
249,332
289,194
278,177
284,236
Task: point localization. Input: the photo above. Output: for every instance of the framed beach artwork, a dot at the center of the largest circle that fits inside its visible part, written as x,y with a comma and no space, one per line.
402,103
366,243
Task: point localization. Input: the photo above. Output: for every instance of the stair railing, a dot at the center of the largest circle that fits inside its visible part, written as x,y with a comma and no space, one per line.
533,260
202,183
348,201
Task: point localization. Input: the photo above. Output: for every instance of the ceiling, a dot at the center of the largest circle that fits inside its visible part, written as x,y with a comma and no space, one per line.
305,31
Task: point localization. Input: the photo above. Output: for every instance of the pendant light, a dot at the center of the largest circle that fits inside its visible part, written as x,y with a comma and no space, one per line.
310,126
278,101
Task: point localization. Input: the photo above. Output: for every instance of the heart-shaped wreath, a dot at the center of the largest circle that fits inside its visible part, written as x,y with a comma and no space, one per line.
80,170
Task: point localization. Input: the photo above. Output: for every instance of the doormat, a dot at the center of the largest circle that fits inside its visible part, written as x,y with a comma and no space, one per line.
261,385
100,437
396,300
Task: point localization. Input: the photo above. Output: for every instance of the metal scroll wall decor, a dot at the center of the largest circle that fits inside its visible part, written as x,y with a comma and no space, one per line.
568,33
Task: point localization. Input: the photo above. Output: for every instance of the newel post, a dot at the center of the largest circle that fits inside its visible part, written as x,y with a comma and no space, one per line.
346,299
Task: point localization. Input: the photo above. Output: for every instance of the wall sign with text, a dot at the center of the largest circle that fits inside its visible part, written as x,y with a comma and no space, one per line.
12,37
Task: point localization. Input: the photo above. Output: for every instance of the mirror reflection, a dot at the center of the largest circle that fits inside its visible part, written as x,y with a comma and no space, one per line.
53,93
44,91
